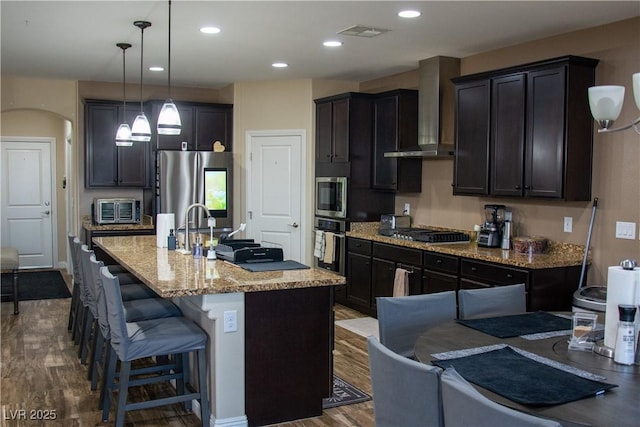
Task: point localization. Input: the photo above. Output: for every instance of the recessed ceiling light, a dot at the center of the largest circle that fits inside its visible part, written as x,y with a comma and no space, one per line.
156,68
332,43
280,65
409,14
210,30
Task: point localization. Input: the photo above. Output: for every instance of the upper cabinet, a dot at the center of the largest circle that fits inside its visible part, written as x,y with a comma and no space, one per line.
107,165
526,131
202,125
343,132
396,128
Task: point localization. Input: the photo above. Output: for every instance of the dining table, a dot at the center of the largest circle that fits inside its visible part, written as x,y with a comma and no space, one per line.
617,406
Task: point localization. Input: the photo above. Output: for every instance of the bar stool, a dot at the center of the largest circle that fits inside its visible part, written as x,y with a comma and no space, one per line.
130,291
143,309
10,262
176,337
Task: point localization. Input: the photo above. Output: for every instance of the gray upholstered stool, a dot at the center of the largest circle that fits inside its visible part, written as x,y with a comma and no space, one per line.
9,262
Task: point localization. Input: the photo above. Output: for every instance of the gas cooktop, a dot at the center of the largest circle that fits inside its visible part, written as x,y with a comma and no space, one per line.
427,235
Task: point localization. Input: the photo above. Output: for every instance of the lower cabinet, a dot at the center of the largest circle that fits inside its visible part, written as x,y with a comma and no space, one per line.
371,268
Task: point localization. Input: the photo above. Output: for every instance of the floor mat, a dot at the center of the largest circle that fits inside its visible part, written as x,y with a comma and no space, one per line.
363,326
34,285
344,394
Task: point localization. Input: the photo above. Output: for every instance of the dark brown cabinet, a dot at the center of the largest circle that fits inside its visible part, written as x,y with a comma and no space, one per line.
359,270
107,165
471,163
536,140
202,125
343,134
396,128
371,270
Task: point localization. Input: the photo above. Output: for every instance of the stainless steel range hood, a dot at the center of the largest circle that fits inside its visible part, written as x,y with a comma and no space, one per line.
436,98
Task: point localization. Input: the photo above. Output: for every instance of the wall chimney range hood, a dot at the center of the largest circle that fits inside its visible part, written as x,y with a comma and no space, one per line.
436,99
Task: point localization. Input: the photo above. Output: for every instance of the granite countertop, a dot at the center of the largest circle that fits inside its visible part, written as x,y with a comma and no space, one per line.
145,224
171,274
557,255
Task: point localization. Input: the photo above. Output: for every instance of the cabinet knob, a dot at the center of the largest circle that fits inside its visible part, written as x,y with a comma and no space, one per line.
527,187
517,187
474,269
509,275
438,261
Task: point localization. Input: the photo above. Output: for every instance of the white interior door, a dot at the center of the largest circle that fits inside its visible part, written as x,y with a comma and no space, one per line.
28,208
274,190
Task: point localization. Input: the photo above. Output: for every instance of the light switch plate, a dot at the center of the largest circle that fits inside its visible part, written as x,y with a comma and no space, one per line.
625,230
568,224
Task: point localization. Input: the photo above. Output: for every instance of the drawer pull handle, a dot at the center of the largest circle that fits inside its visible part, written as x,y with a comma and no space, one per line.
509,275
438,261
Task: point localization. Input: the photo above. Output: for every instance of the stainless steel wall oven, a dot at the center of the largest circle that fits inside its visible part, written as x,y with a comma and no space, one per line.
334,229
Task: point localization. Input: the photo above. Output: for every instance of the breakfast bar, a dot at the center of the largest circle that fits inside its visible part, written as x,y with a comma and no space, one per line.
270,333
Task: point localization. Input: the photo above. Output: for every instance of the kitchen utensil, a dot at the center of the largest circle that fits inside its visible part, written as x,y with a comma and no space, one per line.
586,249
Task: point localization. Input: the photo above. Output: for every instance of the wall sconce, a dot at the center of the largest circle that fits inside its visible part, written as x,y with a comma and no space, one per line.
606,103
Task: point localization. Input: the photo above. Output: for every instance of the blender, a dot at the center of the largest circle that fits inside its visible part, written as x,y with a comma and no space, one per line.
491,232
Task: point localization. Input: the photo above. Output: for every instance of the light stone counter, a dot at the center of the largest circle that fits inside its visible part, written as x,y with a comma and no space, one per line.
171,274
558,255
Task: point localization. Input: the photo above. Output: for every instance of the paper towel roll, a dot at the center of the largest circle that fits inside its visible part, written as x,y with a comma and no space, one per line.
164,223
623,287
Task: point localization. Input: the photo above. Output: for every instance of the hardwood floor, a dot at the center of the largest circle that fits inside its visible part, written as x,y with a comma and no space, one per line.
40,373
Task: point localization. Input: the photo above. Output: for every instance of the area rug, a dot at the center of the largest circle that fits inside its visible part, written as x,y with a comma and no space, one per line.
34,285
363,326
344,394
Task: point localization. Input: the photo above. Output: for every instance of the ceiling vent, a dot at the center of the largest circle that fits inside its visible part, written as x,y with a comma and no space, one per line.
363,31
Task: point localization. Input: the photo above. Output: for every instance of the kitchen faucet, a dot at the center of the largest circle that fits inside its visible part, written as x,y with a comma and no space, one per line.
187,243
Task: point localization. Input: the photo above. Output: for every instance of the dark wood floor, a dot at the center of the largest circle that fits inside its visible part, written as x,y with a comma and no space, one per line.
40,373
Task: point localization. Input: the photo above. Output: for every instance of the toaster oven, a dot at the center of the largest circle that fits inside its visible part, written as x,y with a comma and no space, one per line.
116,211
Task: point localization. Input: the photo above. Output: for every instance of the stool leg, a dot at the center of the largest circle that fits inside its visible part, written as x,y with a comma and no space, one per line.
16,299
108,379
202,386
72,306
125,368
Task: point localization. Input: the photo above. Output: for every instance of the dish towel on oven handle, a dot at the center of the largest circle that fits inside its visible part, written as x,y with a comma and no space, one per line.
318,249
329,247
401,283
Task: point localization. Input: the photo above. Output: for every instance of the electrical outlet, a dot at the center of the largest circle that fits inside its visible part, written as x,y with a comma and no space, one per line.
625,230
568,224
230,321
407,209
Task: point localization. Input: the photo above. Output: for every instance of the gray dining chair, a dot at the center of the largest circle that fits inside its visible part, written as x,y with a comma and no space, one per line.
405,392
494,301
401,320
465,406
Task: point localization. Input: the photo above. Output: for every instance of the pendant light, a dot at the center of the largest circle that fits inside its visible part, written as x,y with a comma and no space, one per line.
169,119
141,131
123,135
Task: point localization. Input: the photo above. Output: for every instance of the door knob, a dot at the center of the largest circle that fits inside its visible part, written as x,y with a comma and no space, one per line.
294,225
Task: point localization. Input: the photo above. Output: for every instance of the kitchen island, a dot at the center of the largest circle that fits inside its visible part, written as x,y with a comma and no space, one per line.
275,363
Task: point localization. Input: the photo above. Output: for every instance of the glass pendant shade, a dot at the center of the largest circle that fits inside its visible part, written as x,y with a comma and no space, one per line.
169,119
636,88
606,103
123,136
141,130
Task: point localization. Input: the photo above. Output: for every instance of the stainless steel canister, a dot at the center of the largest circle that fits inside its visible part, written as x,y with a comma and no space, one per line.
506,235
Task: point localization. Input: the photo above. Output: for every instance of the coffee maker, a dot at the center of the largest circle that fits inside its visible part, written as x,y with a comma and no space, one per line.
490,235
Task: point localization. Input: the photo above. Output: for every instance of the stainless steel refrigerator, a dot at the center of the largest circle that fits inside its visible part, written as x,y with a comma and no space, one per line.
187,177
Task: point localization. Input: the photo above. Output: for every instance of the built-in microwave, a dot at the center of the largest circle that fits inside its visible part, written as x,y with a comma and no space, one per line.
116,211
331,196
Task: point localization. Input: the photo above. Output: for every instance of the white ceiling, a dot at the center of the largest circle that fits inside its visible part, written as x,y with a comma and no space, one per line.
77,39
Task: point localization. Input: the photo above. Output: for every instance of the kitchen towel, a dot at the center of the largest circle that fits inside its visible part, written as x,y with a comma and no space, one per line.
318,249
623,287
401,283
329,247
164,223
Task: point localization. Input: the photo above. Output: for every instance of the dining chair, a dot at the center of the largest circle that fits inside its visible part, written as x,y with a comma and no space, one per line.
465,406
134,310
494,301
401,320
405,392
176,337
